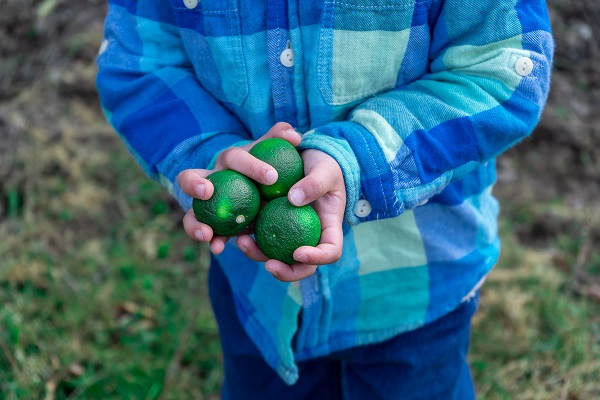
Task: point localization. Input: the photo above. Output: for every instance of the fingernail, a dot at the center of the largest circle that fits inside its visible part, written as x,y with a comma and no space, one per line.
200,189
297,196
291,132
199,235
271,176
243,248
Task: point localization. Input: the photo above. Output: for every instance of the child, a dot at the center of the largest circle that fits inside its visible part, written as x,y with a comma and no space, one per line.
403,106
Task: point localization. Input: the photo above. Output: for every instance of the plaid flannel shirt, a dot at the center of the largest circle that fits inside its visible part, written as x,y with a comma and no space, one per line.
413,98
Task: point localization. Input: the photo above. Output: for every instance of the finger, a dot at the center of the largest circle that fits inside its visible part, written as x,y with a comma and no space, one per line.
329,249
240,160
285,131
196,229
193,182
280,130
248,246
330,209
289,273
217,244
312,187
321,255
321,178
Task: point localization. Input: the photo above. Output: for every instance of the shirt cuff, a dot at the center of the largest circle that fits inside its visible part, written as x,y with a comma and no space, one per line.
361,170
196,152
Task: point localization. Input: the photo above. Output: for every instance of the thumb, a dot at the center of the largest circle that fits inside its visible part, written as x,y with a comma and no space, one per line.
321,178
285,131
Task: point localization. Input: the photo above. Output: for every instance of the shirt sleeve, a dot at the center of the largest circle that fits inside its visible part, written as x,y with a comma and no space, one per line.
487,83
150,95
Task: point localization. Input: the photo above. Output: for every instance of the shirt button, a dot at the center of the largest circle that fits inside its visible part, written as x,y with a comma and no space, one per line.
524,66
191,4
103,47
362,209
423,202
287,57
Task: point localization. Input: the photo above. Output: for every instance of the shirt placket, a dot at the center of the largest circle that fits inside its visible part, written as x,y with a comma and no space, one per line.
281,60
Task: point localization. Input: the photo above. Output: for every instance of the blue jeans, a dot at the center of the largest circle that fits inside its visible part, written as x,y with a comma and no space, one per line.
427,363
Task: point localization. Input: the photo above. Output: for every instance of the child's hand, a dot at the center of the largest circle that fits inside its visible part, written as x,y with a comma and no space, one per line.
324,187
193,182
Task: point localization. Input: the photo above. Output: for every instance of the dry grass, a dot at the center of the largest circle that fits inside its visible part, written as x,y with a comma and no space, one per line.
103,296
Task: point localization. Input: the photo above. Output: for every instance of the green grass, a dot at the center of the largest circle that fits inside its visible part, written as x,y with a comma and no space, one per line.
533,337
537,335
104,297
121,313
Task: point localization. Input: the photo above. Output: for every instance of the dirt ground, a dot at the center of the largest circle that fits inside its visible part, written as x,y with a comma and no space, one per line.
80,225
561,158
47,71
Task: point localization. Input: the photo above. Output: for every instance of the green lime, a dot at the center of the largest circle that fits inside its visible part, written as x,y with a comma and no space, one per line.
282,227
233,205
284,157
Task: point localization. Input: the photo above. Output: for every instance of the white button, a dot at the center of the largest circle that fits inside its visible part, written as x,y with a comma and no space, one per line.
191,4
103,47
423,202
524,66
287,57
362,209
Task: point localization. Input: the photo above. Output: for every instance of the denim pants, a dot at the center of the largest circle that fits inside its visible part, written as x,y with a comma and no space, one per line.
427,363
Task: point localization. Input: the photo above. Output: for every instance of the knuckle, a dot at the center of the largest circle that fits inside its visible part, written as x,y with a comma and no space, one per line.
225,156
184,180
329,255
336,254
188,227
278,130
281,126
310,271
324,258
229,155
316,186
255,168
181,178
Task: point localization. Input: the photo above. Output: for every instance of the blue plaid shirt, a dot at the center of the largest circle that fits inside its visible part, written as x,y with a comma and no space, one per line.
413,98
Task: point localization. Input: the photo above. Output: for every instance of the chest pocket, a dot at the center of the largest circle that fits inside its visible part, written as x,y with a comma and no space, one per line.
211,33
362,46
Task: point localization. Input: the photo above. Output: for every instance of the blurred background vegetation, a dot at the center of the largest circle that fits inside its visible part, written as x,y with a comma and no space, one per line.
104,297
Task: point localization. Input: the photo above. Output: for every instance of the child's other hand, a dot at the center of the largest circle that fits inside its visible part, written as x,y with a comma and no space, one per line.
324,187
193,182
